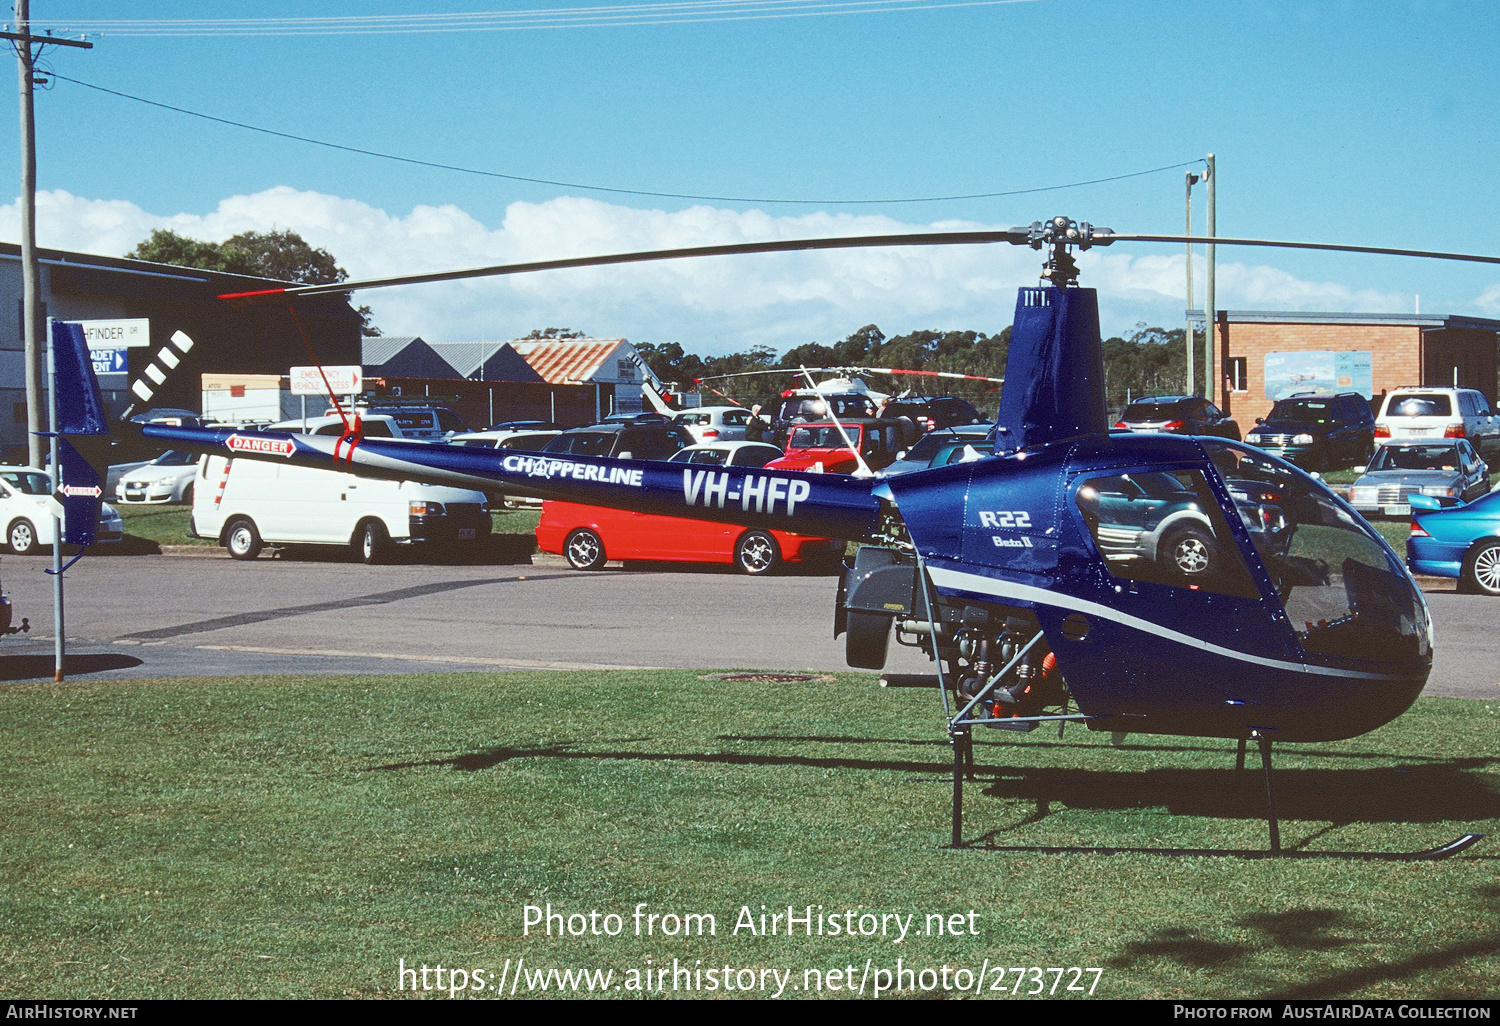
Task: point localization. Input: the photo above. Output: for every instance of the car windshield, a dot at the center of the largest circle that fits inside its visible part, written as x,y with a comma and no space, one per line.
1155,411
930,445
1427,404
584,443
822,436
1302,412
173,458
27,482
1416,457
716,457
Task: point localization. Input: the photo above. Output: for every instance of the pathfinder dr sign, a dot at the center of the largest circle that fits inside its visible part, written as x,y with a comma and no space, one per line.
120,334
341,380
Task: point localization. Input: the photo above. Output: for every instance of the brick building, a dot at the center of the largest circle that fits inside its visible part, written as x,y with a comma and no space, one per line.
1263,355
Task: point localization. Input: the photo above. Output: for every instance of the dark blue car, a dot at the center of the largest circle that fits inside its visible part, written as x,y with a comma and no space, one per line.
1460,541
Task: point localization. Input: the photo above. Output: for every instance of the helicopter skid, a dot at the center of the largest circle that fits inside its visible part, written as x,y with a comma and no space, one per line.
1442,851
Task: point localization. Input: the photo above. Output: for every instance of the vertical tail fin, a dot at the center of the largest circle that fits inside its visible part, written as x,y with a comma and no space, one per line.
83,423
1054,373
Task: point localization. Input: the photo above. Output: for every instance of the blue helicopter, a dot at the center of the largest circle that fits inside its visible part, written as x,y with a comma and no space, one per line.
1134,583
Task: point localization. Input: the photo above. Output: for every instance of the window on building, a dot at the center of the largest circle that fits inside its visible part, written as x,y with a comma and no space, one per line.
1238,373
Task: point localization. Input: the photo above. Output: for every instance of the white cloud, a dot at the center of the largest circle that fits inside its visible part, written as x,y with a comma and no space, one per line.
711,305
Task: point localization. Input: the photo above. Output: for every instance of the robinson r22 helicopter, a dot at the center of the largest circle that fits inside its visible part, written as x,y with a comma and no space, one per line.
1134,583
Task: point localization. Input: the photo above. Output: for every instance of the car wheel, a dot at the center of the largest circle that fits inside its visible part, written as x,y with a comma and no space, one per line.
242,539
756,553
187,494
1190,551
584,550
371,543
22,538
1481,572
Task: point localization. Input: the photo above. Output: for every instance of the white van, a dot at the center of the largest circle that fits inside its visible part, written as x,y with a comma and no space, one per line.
245,503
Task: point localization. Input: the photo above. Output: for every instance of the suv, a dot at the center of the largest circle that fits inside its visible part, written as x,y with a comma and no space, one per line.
1318,431
428,423
1179,414
1418,414
634,440
931,414
805,406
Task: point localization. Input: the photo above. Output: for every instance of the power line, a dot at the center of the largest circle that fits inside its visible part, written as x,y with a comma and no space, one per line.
603,188
682,12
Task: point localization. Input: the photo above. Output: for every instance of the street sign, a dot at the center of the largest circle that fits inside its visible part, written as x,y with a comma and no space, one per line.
126,333
109,361
341,380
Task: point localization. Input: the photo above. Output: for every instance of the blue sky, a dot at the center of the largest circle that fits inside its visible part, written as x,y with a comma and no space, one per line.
1369,123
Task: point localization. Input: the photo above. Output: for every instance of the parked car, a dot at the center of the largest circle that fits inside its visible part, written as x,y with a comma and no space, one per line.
26,512
1178,414
527,439
244,504
821,447
1461,541
1318,432
941,447
524,425
1448,469
168,478
372,425
715,423
588,536
728,454
630,440
1418,414
424,423
942,411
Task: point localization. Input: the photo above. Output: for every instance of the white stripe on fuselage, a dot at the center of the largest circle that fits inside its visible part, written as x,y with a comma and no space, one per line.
982,585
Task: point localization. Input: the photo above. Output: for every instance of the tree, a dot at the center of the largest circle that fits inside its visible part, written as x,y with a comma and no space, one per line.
281,255
548,333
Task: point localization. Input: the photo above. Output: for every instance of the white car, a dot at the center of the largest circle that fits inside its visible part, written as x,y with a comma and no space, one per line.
168,478
728,454
1421,414
26,512
715,423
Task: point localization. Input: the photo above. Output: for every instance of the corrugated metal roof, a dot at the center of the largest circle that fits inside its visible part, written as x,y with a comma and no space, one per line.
379,350
1324,317
560,361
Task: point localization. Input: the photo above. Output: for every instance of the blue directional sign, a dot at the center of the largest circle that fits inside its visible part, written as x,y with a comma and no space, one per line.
109,361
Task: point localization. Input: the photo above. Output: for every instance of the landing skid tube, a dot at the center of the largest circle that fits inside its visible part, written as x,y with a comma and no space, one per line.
963,764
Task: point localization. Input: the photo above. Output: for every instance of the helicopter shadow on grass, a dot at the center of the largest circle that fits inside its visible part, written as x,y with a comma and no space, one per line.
1306,932
1436,791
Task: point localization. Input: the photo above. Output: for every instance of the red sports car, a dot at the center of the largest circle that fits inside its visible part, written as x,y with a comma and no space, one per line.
586,536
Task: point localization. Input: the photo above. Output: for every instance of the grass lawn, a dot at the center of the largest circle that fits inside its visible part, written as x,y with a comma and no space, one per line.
297,837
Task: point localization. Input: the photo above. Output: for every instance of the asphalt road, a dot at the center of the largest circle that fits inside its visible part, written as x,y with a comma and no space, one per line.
164,615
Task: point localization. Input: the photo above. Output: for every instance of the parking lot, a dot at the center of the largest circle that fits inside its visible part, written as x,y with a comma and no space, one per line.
167,615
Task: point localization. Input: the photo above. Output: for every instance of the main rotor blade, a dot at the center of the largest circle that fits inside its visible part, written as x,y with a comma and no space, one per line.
1199,240
1013,235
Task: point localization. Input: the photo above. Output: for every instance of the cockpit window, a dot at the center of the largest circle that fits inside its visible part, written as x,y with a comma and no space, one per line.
1164,527
1342,591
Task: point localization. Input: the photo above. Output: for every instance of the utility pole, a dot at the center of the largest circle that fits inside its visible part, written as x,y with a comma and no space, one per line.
1192,357
30,271
1210,314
